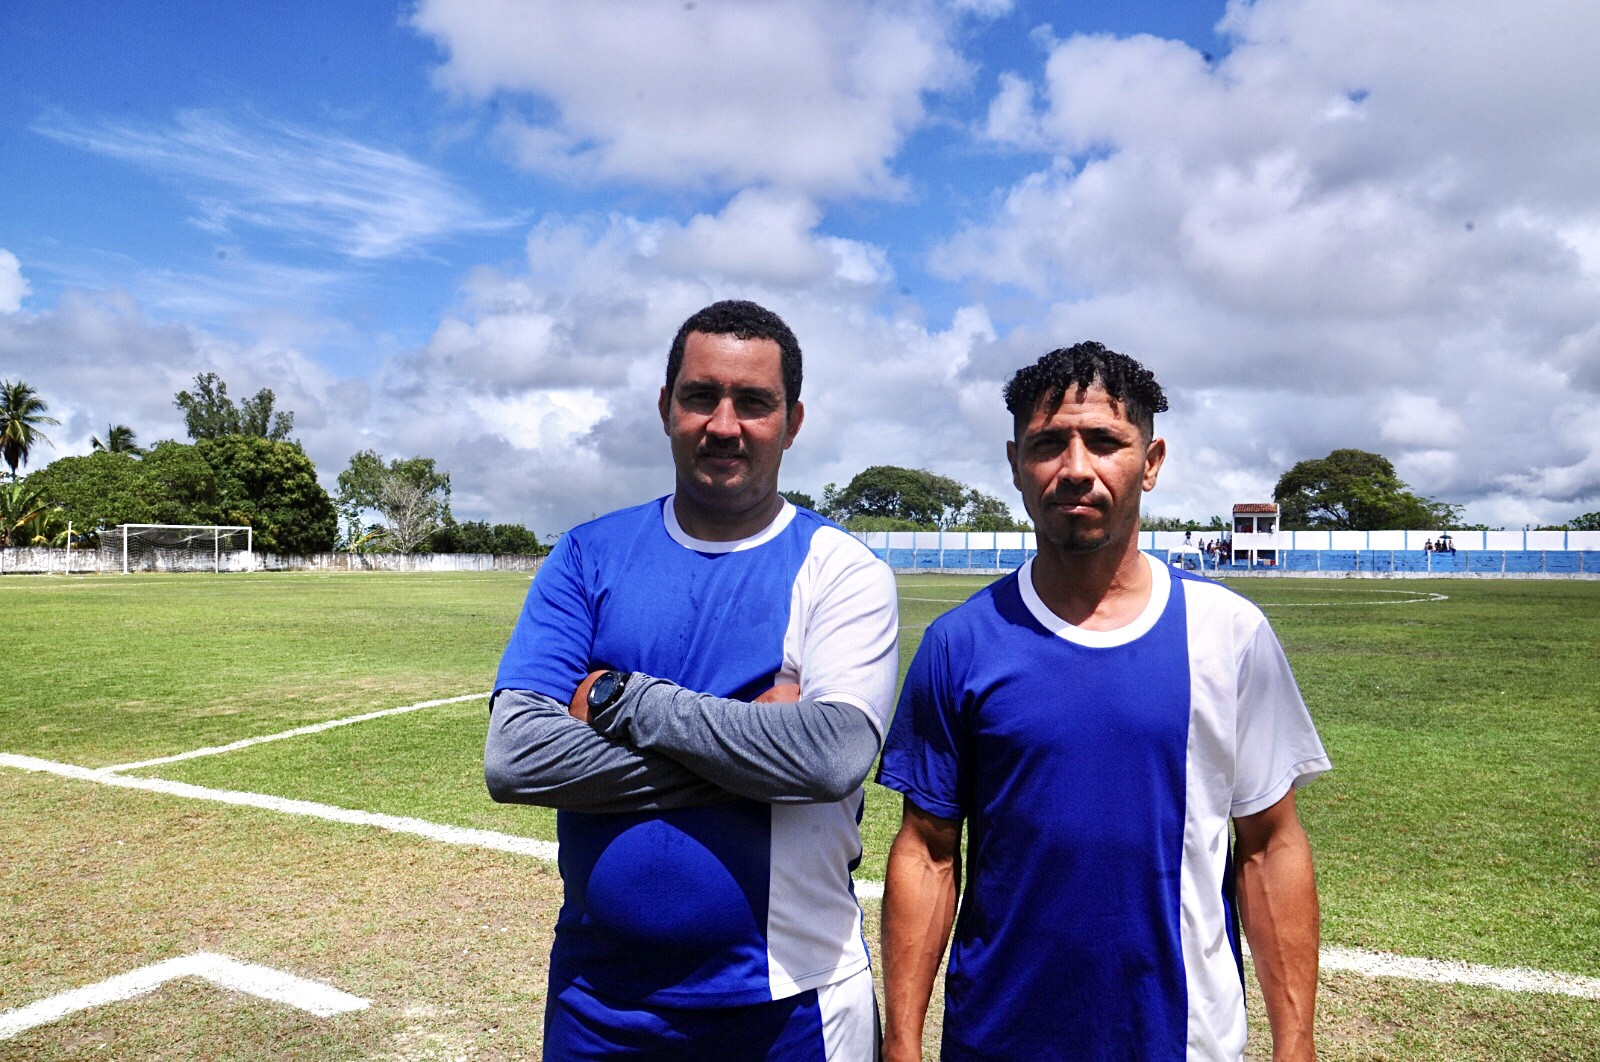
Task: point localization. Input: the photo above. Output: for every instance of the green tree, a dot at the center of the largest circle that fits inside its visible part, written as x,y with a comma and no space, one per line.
272,486
1353,490
985,512
23,506
411,495
208,412
911,494
1173,523
22,413
801,498
238,479
119,440
477,536
891,498
100,490
1586,522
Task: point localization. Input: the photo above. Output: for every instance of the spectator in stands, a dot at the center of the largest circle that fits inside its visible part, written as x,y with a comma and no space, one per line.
1427,547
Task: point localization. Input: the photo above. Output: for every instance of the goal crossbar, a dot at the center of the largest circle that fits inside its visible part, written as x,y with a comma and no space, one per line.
191,541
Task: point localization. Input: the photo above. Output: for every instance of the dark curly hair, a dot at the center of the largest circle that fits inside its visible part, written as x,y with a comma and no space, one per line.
742,320
1076,367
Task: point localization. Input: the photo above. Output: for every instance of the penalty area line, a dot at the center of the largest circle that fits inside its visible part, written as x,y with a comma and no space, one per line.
299,731
224,971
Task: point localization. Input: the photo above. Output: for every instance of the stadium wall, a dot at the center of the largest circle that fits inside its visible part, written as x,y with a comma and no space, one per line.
36,561
1388,554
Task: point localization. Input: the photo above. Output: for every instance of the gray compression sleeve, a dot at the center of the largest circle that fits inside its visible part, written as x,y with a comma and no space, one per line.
536,753
810,752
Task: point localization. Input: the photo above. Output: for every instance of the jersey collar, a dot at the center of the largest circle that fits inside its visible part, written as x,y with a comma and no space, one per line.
669,519
1160,591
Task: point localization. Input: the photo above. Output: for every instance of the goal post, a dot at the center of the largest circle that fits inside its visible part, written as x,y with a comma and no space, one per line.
183,547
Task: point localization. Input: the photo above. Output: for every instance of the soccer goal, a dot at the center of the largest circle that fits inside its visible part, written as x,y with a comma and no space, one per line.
182,547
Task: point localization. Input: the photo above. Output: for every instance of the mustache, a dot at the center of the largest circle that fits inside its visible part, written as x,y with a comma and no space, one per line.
731,449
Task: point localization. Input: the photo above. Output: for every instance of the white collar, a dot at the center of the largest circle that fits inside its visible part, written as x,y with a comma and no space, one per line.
669,517
1160,591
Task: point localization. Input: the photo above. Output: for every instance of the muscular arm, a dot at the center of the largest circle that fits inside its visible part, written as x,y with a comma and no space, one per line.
804,752
1278,906
919,907
538,754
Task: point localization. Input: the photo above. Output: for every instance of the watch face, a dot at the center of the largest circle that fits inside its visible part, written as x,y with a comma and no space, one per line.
604,689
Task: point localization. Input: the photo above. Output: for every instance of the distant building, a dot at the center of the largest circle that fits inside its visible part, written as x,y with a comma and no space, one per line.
1255,532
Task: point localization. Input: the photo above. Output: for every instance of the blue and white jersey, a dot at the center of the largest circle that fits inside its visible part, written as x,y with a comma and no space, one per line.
732,903
1097,772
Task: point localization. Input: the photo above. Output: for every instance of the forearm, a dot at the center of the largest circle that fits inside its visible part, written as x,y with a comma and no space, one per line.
918,911
778,753
1279,911
537,754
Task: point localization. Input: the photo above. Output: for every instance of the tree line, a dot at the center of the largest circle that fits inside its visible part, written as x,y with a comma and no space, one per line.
239,468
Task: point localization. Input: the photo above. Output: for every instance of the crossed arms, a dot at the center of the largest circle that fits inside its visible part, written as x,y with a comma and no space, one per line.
662,746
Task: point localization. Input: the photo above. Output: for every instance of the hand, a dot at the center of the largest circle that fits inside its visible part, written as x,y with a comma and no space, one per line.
578,707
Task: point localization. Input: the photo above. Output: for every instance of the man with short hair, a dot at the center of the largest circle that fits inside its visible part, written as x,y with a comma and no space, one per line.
706,840
1097,719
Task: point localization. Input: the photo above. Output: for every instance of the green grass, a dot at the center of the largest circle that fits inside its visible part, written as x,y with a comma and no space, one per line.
123,668
1460,821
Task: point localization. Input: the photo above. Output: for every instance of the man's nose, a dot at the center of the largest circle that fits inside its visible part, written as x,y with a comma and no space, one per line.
724,421
1075,464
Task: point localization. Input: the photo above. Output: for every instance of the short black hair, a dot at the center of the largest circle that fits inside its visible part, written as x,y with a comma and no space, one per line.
742,320
1081,366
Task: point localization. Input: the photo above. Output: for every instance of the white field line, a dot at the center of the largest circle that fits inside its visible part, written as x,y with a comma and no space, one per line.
1368,963
1441,971
433,831
299,731
1371,964
221,970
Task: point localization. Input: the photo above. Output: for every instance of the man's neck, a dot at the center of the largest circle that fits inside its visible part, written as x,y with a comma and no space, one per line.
1099,591
717,525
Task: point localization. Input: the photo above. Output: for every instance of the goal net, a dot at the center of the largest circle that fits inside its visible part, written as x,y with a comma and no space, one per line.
181,547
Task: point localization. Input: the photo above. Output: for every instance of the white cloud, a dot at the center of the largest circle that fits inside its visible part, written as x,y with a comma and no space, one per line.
816,95
14,286
324,190
1368,225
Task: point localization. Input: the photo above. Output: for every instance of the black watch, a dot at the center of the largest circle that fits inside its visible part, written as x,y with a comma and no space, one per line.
606,691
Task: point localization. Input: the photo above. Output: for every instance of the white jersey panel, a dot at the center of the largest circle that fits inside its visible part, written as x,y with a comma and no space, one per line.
841,646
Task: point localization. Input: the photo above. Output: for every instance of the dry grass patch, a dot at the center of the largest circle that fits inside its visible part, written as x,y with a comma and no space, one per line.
448,944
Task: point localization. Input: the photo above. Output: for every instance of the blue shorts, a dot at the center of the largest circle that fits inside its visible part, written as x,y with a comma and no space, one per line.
836,1023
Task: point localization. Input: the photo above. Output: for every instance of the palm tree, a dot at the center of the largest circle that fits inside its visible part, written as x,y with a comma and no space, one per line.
22,503
21,413
119,440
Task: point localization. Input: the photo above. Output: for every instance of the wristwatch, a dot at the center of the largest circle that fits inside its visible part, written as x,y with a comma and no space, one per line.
606,691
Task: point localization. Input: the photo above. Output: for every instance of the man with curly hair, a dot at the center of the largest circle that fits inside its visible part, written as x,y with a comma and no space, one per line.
1097,721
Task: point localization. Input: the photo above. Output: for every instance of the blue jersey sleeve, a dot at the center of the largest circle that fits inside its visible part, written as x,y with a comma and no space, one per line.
924,756
551,647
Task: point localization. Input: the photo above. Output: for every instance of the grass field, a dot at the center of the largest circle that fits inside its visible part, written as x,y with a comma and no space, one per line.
1462,821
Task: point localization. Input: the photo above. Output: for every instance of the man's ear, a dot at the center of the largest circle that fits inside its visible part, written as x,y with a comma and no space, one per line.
1154,455
795,417
1011,459
664,404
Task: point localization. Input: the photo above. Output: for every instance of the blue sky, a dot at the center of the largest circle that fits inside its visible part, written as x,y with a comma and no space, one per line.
467,229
